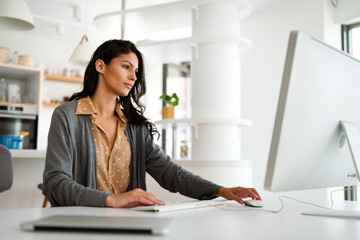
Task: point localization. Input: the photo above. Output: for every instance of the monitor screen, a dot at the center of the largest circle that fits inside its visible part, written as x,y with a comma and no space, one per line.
320,88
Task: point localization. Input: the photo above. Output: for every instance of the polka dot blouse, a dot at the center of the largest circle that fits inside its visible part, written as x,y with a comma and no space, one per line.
113,162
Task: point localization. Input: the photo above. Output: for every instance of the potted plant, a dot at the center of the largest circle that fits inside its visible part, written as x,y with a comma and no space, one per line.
171,101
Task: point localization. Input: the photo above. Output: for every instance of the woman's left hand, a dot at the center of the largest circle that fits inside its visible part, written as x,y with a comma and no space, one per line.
238,193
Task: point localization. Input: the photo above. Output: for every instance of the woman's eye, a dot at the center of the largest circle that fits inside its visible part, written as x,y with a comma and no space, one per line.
126,67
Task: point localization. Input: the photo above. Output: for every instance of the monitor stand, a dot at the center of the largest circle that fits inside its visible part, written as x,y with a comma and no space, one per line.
353,138
339,213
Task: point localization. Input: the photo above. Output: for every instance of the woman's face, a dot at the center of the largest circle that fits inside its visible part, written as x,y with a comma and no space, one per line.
119,75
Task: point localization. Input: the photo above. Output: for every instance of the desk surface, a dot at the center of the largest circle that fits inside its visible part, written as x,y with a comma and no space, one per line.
205,223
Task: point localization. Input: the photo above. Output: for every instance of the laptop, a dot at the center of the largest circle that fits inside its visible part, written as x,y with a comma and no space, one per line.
144,225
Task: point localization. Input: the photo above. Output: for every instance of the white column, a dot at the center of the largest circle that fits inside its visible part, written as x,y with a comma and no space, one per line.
216,78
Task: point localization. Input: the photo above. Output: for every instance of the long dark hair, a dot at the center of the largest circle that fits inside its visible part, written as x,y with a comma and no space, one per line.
106,52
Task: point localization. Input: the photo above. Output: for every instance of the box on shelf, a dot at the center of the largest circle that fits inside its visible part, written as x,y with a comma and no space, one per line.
4,55
26,60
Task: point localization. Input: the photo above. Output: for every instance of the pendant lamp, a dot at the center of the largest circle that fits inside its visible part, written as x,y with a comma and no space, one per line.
82,52
15,15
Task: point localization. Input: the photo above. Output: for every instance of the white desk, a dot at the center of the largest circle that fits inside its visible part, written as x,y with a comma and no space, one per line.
206,223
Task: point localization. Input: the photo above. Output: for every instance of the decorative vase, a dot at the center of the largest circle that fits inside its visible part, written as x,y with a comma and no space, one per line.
168,112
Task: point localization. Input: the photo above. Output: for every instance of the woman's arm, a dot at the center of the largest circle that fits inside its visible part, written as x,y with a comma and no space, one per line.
172,176
133,198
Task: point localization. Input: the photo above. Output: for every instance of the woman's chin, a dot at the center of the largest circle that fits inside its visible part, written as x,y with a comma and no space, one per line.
123,94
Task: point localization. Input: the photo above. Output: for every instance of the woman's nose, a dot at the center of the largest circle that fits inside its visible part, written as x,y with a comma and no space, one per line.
133,76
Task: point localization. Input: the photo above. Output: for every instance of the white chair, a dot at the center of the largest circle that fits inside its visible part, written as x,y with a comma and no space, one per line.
6,169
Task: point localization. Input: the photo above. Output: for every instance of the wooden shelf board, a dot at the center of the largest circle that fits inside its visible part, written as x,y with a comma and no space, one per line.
19,103
62,78
19,67
50,104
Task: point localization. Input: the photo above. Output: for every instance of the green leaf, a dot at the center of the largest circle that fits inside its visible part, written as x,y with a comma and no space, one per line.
172,101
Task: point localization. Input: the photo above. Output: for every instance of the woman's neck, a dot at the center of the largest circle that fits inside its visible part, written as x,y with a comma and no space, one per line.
104,103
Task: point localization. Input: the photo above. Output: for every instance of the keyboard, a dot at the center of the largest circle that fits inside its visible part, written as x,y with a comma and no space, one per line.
176,206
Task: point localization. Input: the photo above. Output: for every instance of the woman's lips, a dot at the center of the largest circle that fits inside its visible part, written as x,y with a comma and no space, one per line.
128,85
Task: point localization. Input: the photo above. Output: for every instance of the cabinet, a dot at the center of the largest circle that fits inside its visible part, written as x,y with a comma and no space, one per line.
27,81
53,83
20,110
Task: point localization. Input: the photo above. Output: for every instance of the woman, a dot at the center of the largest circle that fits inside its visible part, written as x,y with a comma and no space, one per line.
100,145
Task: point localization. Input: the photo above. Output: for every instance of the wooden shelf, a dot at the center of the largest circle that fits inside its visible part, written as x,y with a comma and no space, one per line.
50,104
20,68
28,79
27,153
62,78
19,103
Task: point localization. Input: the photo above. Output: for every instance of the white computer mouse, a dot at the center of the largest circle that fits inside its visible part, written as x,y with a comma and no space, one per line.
253,203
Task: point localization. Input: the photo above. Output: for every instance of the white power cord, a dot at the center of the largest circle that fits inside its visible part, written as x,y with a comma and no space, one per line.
282,204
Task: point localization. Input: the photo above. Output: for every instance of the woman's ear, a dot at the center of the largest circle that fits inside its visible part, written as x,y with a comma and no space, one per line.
99,65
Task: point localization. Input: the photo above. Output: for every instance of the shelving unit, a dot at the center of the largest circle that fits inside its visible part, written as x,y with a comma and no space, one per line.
12,67
19,103
176,123
60,78
23,113
27,77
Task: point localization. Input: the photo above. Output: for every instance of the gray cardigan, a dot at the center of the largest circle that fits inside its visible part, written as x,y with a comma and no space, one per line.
70,169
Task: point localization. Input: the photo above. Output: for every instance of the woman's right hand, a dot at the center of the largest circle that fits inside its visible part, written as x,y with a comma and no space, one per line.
136,197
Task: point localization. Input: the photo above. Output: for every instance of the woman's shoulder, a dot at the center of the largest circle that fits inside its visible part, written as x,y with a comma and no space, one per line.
66,111
67,107
139,128
141,131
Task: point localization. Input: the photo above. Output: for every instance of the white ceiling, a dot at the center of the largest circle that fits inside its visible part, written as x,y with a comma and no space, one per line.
65,8
50,14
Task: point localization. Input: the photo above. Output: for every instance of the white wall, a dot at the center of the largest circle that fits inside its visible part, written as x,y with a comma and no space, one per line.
348,11
48,49
262,68
154,75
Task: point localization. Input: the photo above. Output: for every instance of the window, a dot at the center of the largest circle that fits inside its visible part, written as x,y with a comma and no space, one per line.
351,39
351,45
176,79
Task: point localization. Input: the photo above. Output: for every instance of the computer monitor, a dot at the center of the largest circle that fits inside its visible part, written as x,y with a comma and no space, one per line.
318,116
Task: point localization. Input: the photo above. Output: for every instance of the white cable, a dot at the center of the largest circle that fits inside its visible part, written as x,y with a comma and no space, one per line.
282,203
